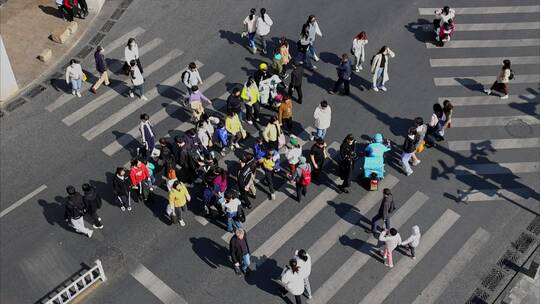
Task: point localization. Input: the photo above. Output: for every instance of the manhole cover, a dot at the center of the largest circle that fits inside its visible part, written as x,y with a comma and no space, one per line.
109,255
518,128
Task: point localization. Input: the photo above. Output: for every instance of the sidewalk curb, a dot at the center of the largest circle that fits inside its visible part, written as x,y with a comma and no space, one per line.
41,84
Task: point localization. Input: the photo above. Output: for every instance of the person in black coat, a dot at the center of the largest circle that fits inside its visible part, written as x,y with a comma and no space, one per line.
92,202
348,155
409,147
75,210
387,206
234,102
344,71
296,81
243,178
121,188
101,67
239,251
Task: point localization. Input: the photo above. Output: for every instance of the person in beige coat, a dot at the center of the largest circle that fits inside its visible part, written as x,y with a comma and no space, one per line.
379,67
501,84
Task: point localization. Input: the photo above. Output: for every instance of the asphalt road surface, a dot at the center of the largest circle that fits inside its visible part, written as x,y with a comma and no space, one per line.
472,196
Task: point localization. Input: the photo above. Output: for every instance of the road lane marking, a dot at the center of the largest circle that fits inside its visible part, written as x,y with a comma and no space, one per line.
349,220
486,10
498,168
494,121
489,195
360,257
481,61
22,200
468,251
156,286
394,277
474,80
491,100
453,44
496,144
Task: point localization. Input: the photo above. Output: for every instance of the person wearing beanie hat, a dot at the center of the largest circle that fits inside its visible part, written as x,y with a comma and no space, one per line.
285,114
302,177
293,153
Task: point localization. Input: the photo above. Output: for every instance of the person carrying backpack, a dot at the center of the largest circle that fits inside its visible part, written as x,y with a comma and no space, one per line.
191,77
75,211
92,202
302,177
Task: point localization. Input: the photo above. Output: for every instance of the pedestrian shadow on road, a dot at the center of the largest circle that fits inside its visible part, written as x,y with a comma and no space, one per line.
170,92
351,214
234,38
54,212
330,58
531,107
360,82
422,30
362,246
266,275
115,66
470,84
51,11
211,252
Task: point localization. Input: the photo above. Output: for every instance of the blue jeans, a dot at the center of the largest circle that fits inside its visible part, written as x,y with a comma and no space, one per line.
231,221
306,58
76,84
379,74
312,51
245,262
321,133
251,40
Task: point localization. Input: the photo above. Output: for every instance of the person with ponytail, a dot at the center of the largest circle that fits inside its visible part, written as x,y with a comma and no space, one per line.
293,281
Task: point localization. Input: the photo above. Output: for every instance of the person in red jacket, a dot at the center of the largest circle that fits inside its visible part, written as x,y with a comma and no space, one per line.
139,176
71,7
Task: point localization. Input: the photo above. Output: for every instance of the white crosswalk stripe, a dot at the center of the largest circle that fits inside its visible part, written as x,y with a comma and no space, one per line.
462,122
122,40
347,270
486,195
393,278
486,10
132,106
498,168
65,98
502,26
492,100
468,251
473,80
156,286
496,144
452,44
271,245
349,220
110,95
482,61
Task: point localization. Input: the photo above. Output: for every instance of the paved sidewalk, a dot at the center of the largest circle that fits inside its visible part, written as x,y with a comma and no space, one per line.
25,26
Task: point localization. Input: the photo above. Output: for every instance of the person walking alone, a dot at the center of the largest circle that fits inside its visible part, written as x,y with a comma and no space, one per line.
178,199
75,211
358,50
250,29
74,75
92,202
391,239
293,281
387,206
296,81
379,68
148,139
302,178
303,45
239,252
304,262
313,32
323,118
285,114
101,67
263,25
137,80
347,152
501,84
317,156
344,71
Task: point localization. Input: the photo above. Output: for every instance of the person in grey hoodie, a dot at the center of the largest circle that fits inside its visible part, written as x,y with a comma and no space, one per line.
413,241
301,176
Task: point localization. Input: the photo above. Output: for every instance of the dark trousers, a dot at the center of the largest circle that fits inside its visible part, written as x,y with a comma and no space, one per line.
95,217
252,112
178,213
298,89
300,190
287,124
297,299
345,83
316,172
378,217
346,176
84,7
70,12
410,248
268,174
244,197
124,199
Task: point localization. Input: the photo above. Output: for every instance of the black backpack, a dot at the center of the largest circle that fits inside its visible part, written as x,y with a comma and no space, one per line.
186,72
240,215
511,75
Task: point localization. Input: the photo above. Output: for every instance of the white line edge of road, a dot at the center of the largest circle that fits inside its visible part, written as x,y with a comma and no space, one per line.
156,286
22,200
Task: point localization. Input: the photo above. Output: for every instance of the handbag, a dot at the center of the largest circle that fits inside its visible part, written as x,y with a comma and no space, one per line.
281,138
240,215
421,147
84,77
126,68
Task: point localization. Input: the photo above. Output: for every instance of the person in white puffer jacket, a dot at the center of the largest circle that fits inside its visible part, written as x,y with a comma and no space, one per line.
391,239
293,281
263,23
413,241
304,262
74,75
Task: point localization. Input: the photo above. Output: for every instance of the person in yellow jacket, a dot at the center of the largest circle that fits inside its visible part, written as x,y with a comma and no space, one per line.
234,127
178,198
272,132
250,96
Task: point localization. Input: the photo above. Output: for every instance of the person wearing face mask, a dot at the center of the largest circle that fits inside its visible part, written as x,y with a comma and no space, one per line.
313,31
131,52
409,146
379,68
250,29
74,74
101,67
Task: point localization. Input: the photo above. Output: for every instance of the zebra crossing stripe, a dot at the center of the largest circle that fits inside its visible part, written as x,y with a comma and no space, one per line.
493,121
502,26
491,100
65,98
110,95
486,195
394,277
474,80
454,44
486,10
498,168
131,107
271,245
496,144
333,284
482,61
349,220
156,286
122,40
468,251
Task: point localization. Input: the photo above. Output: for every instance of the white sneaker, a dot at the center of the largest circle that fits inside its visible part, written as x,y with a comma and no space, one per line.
182,223
131,95
123,208
360,68
384,88
144,98
90,233
250,122
273,196
409,173
504,97
375,89
129,208
73,92
237,145
313,67
416,162
487,91
78,94
316,58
